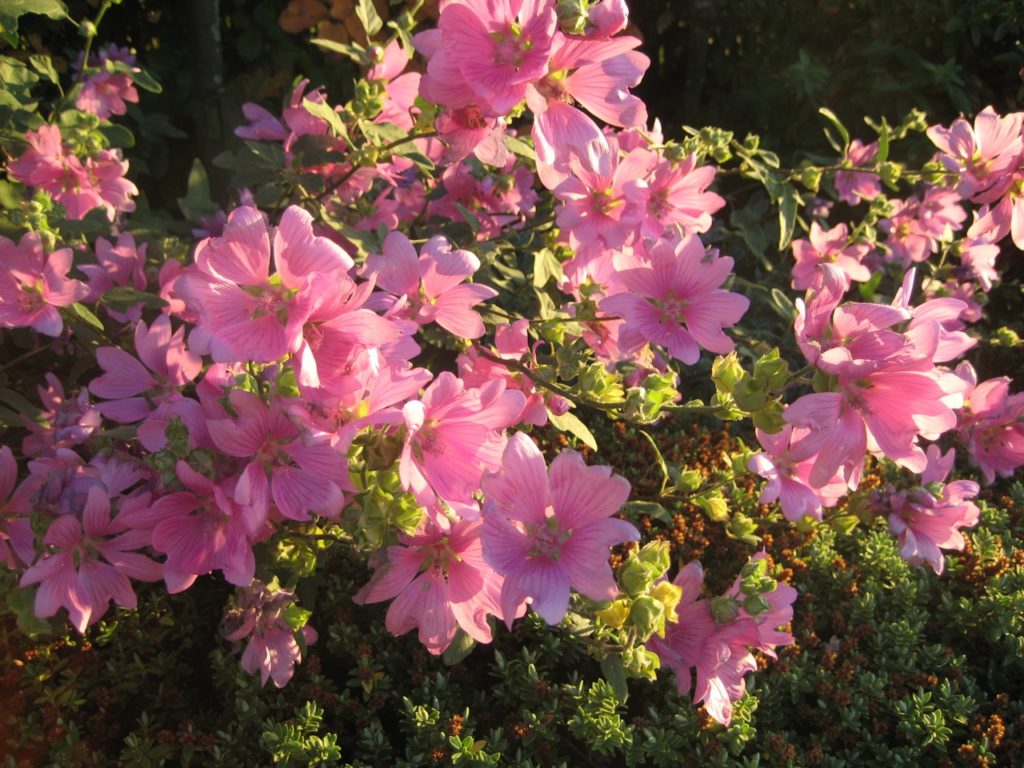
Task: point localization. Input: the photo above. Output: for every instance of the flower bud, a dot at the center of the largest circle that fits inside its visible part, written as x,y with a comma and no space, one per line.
614,615
648,616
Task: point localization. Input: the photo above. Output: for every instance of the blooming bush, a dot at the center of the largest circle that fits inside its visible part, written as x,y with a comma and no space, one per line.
377,359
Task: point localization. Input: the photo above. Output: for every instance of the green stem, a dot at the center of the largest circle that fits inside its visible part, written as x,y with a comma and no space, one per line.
92,35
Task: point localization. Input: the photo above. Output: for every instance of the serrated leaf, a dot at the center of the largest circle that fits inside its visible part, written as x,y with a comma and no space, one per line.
369,17
122,297
44,66
462,645
568,422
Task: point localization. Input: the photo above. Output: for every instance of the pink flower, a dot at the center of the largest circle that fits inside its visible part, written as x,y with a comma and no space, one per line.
488,52
852,186
33,284
789,477
272,650
992,424
202,530
927,522
547,533
16,537
440,582
90,563
67,421
979,259
246,313
149,391
676,301
453,435
677,196
400,91
984,154
831,247
298,471
105,93
430,288
117,265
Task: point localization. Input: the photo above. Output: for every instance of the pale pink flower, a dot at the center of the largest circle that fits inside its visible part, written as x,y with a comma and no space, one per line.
676,301
927,522
440,582
430,288
978,257
832,247
1006,217
33,284
400,90
120,265
90,563
983,154
453,435
549,532
66,422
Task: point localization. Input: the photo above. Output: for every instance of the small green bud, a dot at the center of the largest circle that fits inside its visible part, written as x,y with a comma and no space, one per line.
810,177
755,605
614,615
724,609
715,506
647,614
689,480
726,372
750,395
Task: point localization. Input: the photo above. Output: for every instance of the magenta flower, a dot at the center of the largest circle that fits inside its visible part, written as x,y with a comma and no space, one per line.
677,196
117,265
300,473
33,284
202,530
833,247
67,421
928,522
90,563
676,301
430,288
549,533
453,435
440,582
247,313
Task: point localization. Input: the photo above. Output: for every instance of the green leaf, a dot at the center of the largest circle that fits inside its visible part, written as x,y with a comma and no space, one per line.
296,616
545,267
615,673
519,147
196,204
568,422
326,112
22,604
783,306
44,66
139,76
665,477
638,509
460,648
83,313
829,115
355,52
12,10
121,298
787,215
367,14
117,135
379,134
19,404
10,194
470,217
